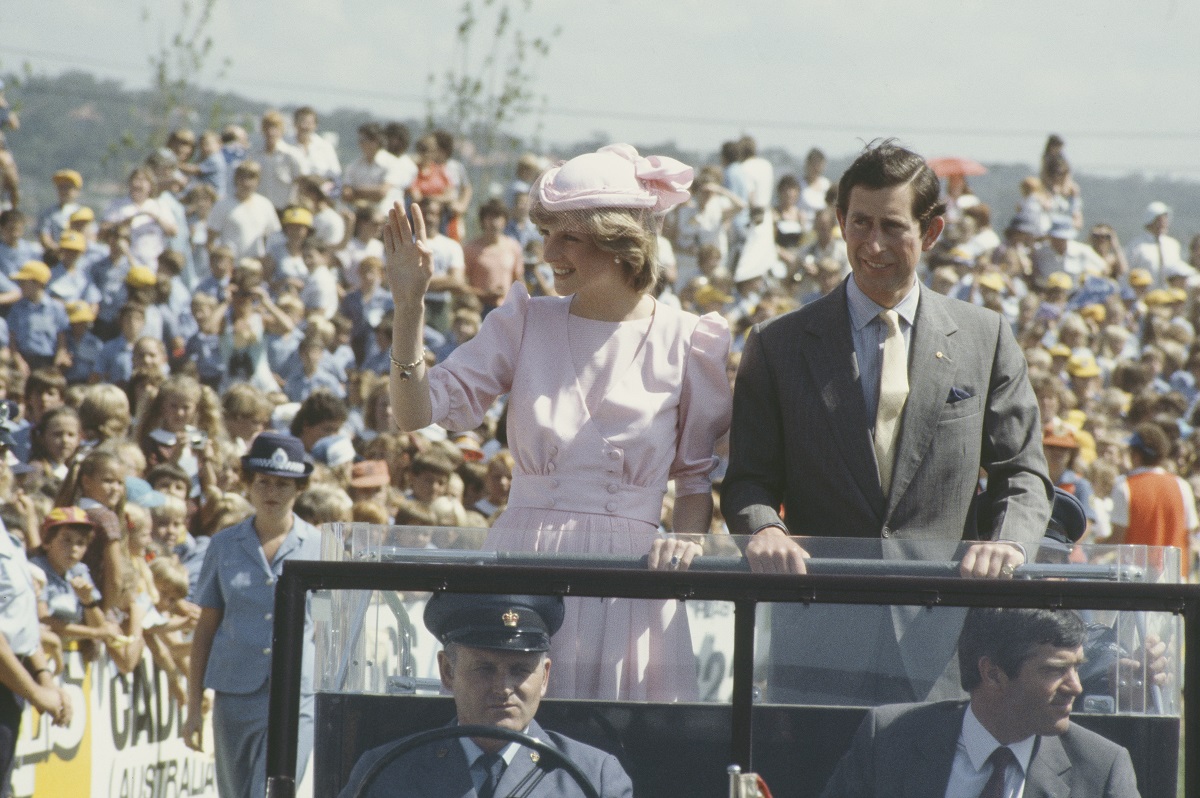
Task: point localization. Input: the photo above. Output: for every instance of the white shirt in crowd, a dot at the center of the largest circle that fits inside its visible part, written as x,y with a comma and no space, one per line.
385,169
319,157
279,171
1079,260
244,226
1152,253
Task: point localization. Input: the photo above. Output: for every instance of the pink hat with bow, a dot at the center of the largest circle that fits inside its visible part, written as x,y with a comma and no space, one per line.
614,177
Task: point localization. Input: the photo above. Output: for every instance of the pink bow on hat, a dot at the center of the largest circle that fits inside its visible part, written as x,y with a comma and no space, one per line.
614,177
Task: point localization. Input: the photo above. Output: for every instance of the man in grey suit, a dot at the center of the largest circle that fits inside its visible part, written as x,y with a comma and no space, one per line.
494,663
1021,669
870,412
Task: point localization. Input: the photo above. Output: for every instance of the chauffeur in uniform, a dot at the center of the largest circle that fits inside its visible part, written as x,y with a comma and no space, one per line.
494,663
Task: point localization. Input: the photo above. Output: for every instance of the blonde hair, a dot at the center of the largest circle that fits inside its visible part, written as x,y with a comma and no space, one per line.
188,388
101,403
325,504
629,234
172,507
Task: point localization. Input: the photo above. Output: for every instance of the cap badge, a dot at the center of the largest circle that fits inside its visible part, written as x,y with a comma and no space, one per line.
279,459
510,618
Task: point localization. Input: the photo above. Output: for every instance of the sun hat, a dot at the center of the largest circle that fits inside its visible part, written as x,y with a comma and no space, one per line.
615,176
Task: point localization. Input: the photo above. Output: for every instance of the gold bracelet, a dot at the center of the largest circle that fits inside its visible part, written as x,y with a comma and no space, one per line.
406,369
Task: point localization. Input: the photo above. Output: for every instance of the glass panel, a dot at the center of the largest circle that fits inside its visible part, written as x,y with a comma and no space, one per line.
819,668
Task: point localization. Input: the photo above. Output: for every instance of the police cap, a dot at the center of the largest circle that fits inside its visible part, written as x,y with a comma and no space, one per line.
504,623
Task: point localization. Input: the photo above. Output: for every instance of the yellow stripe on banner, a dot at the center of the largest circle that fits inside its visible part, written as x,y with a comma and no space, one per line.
68,769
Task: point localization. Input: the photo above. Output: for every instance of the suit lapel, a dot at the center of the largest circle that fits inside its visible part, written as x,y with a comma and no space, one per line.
934,753
1047,770
829,347
931,370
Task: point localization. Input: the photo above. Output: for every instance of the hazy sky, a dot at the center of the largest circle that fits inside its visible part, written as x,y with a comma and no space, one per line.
988,79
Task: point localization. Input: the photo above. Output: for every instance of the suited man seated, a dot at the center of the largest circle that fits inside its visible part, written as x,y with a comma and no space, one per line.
494,663
1014,737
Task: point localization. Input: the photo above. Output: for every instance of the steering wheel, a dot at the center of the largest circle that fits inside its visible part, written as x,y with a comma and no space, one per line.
556,758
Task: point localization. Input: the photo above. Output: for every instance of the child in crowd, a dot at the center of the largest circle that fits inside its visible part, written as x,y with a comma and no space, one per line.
220,262
284,261
68,281
70,602
56,440
429,478
312,377
115,361
37,323
204,347
83,346
104,413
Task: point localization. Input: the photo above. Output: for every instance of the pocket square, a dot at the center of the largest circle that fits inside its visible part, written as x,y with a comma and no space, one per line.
957,395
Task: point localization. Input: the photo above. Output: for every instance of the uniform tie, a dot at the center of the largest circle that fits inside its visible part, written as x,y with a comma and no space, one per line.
893,392
492,766
1001,758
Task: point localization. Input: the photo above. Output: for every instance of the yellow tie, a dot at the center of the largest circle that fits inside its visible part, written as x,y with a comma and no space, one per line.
893,392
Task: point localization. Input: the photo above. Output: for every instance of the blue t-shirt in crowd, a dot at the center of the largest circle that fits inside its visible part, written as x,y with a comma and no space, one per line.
35,326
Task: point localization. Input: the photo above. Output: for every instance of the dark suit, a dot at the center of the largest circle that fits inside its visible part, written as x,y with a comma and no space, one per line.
441,770
801,438
907,751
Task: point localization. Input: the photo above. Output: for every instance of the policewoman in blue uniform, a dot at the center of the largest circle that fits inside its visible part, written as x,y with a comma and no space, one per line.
231,648
494,663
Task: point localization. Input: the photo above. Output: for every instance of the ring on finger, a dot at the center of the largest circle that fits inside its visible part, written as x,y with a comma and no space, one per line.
674,561
1007,570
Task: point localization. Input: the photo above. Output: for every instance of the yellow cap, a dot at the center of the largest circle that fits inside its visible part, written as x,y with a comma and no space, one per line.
140,277
84,214
34,271
73,240
1159,296
1140,277
1060,350
710,293
297,215
1097,313
68,176
1177,294
1083,366
79,312
1060,280
991,280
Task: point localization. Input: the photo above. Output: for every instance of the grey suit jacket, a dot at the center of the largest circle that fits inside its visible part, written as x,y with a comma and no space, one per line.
441,770
907,751
800,436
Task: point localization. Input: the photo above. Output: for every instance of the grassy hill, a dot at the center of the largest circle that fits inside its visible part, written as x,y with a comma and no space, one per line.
101,129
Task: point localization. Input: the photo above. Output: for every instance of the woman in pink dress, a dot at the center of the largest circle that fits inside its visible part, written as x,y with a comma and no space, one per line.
610,395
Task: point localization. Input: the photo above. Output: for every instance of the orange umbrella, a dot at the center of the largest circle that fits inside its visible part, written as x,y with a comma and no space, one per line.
947,167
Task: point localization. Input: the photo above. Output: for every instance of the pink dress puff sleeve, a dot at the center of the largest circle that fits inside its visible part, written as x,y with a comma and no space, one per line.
705,405
465,385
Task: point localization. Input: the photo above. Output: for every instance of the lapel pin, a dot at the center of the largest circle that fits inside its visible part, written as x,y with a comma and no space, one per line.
939,355
442,753
534,757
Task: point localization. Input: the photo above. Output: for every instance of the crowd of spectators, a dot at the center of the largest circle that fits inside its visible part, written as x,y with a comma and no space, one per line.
238,287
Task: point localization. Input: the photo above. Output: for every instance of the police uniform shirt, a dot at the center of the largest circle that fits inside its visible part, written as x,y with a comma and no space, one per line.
18,598
237,580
